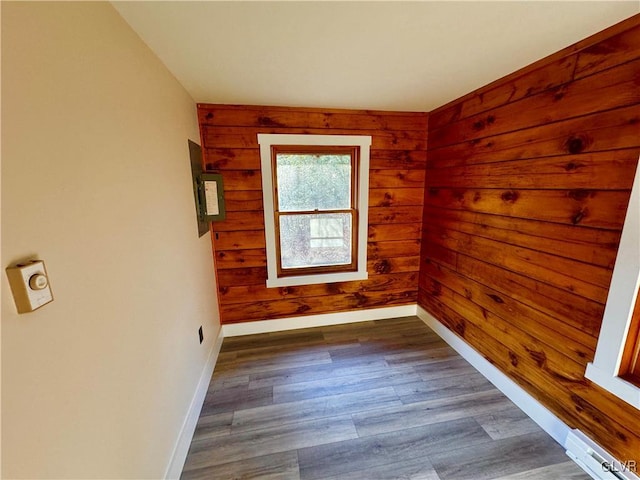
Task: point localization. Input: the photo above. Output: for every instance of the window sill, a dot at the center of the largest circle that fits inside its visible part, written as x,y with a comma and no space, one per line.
316,279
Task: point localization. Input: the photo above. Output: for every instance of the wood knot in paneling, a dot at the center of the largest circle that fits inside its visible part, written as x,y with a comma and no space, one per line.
559,93
387,200
383,266
513,358
573,166
265,121
361,299
577,143
460,327
539,357
458,195
580,194
510,196
303,308
495,298
579,216
481,124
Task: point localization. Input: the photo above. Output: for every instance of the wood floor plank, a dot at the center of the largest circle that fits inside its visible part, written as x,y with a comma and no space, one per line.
392,348
352,383
510,422
213,425
428,412
316,408
307,336
221,382
278,466
448,367
282,352
443,387
236,398
498,458
282,438
248,366
336,459
286,376
420,357
565,471
417,469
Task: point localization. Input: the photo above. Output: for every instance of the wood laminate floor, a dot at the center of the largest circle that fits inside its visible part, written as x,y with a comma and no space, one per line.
374,400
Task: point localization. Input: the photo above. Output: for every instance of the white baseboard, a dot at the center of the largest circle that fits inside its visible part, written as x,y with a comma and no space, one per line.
174,470
551,424
309,321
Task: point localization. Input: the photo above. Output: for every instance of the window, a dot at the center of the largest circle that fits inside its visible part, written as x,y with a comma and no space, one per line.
315,193
615,365
315,212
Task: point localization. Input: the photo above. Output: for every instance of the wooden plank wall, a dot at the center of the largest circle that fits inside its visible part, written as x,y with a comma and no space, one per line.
396,182
527,184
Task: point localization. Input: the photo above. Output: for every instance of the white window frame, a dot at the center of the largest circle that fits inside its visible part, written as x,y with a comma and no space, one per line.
605,368
266,141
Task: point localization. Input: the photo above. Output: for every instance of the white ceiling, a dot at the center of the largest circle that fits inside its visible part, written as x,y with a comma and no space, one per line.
412,56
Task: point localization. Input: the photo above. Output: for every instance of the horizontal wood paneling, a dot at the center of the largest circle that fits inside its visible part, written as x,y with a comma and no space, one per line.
594,208
611,130
568,308
582,279
612,88
396,197
285,117
333,303
233,137
396,179
388,279
526,188
592,246
571,172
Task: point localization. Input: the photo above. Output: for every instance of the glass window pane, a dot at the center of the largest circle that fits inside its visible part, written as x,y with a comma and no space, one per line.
310,182
312,240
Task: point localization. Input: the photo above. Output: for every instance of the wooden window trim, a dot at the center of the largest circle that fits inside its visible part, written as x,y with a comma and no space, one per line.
354,153
630,365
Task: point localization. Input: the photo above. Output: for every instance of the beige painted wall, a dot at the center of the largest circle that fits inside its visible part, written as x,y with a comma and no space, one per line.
96,181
